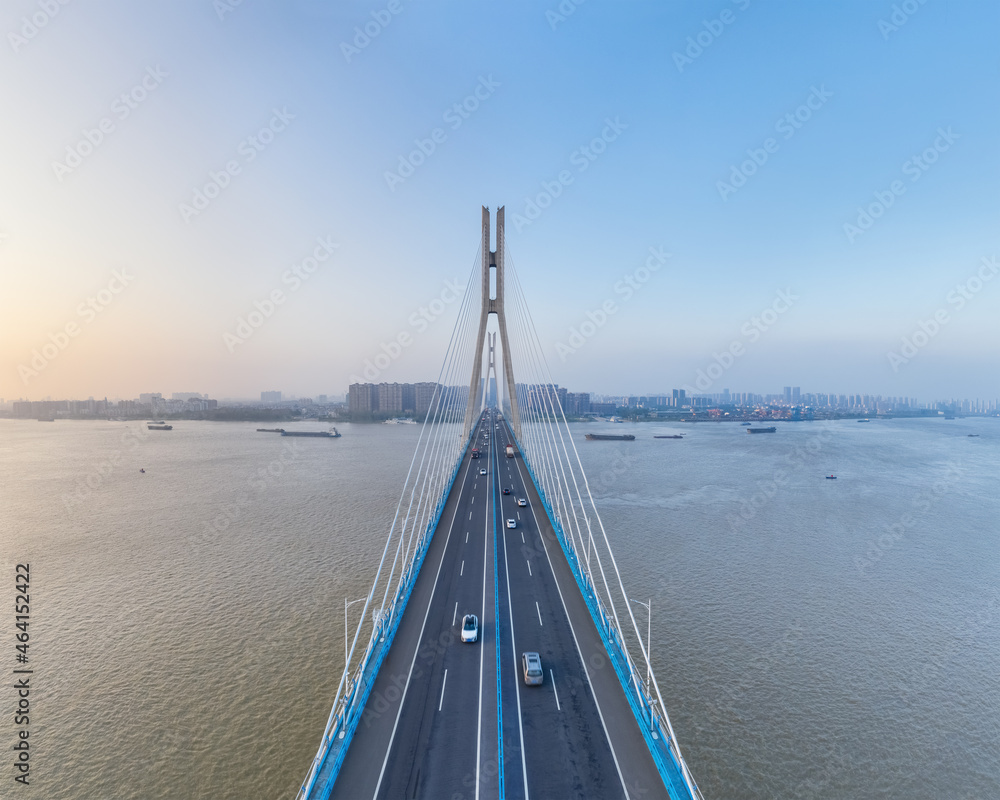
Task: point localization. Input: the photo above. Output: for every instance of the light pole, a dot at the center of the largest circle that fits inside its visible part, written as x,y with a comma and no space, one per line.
649,627
346,606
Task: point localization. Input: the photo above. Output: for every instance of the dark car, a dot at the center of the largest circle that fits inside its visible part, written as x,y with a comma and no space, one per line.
506,490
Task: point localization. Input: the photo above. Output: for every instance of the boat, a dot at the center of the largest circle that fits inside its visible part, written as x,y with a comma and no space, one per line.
831,477
333,433
270,430
772,429
153,427
746,423
610,437
673,436
46,419
141,469
973,435
864,420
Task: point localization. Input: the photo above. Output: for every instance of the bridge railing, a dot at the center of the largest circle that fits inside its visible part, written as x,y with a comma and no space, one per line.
646,706
354,689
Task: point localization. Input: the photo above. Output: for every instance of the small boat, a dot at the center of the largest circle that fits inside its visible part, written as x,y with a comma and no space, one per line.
746,423
142,470
772,429
270,430
153,427
831,477
864,420
610,437
973,435
674,436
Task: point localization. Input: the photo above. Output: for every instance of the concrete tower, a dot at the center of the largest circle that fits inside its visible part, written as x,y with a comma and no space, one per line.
492,305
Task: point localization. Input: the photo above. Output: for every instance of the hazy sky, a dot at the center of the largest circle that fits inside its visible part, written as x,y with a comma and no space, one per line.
823,175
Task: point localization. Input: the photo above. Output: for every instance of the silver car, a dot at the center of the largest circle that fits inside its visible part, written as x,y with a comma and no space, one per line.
470,628
532,664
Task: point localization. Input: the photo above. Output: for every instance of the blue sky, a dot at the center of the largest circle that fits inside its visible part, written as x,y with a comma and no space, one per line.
684,89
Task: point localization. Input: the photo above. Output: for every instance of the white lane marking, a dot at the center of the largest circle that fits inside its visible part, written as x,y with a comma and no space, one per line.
482,648
522,536
529,567
443,684
551,675
454,617
517,680
466,537
470,515
576,641
536,609
473,500
416,649
462,570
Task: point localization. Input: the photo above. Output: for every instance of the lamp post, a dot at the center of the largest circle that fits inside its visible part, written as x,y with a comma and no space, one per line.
346,606
649,626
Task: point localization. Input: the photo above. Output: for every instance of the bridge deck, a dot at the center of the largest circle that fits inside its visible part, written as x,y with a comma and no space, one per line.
430,727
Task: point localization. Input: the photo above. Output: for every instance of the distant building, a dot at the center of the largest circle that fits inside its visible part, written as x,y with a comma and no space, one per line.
270,397
390,397
363,398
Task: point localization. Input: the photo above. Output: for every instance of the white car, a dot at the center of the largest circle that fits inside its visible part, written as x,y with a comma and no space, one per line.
511,523
470,628
521,501
482,470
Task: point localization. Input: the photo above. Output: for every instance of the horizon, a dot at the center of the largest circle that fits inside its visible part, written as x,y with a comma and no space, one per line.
764,194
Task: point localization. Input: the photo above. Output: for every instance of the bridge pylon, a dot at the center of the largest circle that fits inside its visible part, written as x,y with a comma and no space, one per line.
492,259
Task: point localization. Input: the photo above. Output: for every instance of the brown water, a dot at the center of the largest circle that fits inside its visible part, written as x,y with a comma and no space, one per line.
187,624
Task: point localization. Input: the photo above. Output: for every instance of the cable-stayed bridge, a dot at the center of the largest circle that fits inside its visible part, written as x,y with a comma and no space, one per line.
496,519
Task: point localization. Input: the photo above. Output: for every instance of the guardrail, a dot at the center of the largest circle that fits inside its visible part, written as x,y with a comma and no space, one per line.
346,712
647,710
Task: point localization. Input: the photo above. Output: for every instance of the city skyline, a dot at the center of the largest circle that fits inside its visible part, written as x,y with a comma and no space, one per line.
243,196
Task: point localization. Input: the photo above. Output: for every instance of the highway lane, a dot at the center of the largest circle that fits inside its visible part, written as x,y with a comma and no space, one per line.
443,737
429,730
567,752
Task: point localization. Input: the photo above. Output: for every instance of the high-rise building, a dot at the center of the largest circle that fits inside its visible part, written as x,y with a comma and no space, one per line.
270,397
423,397
363,398
390,397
